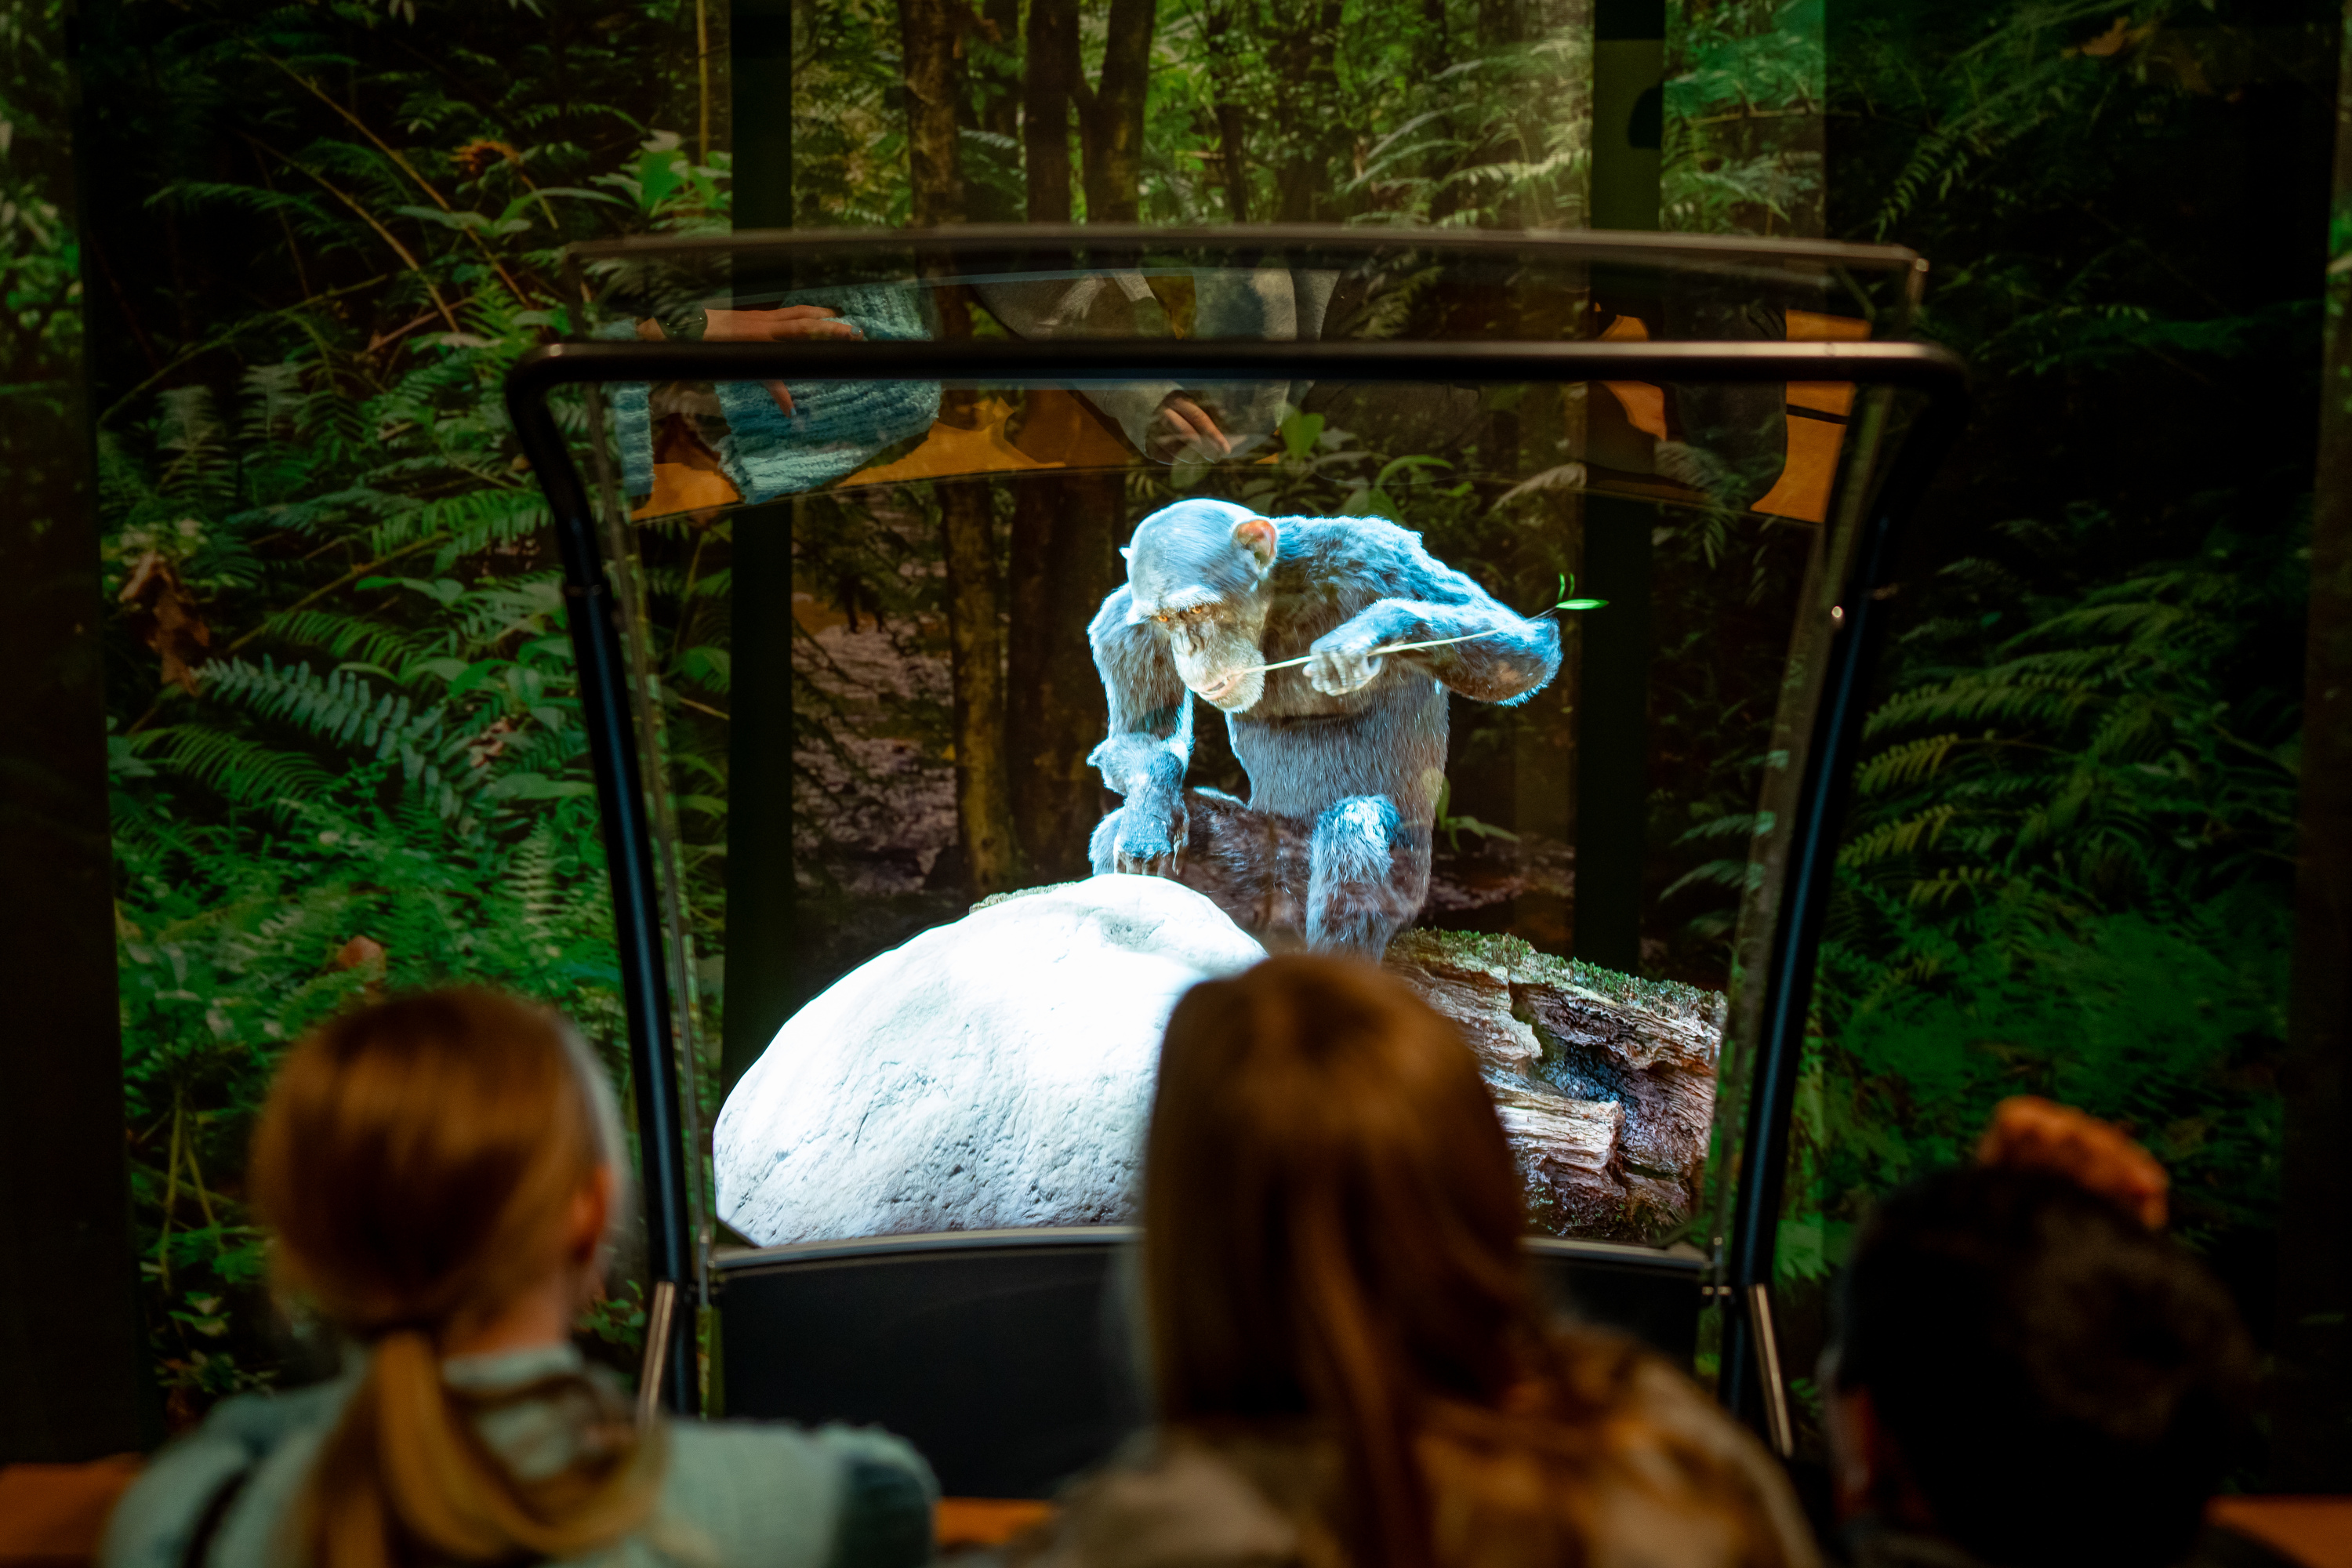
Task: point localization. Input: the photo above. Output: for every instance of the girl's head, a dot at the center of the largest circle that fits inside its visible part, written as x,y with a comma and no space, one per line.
429,1165
1330,1205
1333,1225
424,1161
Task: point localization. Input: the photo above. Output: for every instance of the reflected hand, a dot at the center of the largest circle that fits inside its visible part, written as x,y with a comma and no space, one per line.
788,323
1179,425
1342,660
775,326
1151,840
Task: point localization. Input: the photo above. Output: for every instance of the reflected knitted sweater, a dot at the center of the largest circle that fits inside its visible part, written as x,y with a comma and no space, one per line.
734,1495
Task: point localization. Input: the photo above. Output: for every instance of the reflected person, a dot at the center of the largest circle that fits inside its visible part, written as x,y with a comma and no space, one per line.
767,438
1163,420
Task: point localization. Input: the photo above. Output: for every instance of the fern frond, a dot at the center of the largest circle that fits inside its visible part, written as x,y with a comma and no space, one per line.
1909,764
346,636
242,770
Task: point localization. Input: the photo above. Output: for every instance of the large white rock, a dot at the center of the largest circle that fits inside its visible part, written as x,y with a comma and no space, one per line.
996,1071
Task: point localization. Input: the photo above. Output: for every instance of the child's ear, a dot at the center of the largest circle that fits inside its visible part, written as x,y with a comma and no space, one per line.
1260,538
592,1212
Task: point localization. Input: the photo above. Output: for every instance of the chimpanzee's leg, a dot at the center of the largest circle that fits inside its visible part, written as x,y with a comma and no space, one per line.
1365,878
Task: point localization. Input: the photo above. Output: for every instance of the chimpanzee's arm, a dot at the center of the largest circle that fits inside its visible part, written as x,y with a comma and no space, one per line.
1509,658
1150,741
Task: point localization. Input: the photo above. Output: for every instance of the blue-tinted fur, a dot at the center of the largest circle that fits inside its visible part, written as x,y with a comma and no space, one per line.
1335,582
1356,861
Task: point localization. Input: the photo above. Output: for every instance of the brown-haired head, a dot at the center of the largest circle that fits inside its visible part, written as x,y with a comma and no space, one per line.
418,1161
1333,1225
1334,1232
422,1164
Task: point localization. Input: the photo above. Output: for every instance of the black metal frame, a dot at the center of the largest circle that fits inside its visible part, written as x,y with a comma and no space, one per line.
1716,253
1934,372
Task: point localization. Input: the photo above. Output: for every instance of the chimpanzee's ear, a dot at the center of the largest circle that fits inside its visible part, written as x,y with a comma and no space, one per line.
1260,538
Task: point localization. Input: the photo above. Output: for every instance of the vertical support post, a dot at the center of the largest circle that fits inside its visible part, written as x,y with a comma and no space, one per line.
1612,698
71,1346
762,980
759,35
1612,731
593,621
1629,68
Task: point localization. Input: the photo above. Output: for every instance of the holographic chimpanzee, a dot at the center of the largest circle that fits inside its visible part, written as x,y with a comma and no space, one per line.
1345,753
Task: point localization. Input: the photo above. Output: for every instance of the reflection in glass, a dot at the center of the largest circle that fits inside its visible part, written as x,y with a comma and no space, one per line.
994,715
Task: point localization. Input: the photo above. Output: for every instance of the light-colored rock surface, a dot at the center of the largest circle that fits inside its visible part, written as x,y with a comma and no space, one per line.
995,1071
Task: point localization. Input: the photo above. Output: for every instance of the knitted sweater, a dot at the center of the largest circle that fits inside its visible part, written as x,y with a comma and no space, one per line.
834,426
734,1495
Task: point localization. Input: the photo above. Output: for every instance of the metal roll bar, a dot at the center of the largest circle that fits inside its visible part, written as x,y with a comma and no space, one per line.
1745,1261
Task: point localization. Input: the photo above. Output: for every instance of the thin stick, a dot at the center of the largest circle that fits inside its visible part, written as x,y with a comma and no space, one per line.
1567,587
1375,653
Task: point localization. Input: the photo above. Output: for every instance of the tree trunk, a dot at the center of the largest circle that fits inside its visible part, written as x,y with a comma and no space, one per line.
1234,152
934,172
2311,1417
1233,123
1313,135
1051,48
976,664
967,521
1064,563
1112,115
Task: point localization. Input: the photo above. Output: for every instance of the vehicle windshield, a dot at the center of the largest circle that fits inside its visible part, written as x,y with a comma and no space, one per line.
995,707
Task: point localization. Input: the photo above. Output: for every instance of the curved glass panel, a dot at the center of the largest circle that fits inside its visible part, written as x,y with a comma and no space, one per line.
994,710
1774,454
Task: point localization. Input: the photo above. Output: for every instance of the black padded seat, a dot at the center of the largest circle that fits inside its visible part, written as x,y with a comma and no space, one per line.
1003,1354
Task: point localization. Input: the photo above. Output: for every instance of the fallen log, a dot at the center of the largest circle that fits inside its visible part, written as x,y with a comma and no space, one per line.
1605,1082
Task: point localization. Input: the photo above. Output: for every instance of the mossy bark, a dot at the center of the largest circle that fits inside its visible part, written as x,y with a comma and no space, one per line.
1605,1083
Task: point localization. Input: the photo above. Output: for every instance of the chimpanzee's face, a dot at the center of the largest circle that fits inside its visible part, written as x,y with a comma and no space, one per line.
1198,573
1218,643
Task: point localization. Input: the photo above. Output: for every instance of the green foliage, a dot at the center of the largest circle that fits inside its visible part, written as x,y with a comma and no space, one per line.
1746,82
374,775
1453,112
40,253
2068,867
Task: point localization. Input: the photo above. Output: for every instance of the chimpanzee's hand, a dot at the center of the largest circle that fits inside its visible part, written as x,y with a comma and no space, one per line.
1342,660
1151,836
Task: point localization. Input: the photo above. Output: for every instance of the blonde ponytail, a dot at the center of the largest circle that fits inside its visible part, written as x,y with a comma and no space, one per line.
418,1161
405,1478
